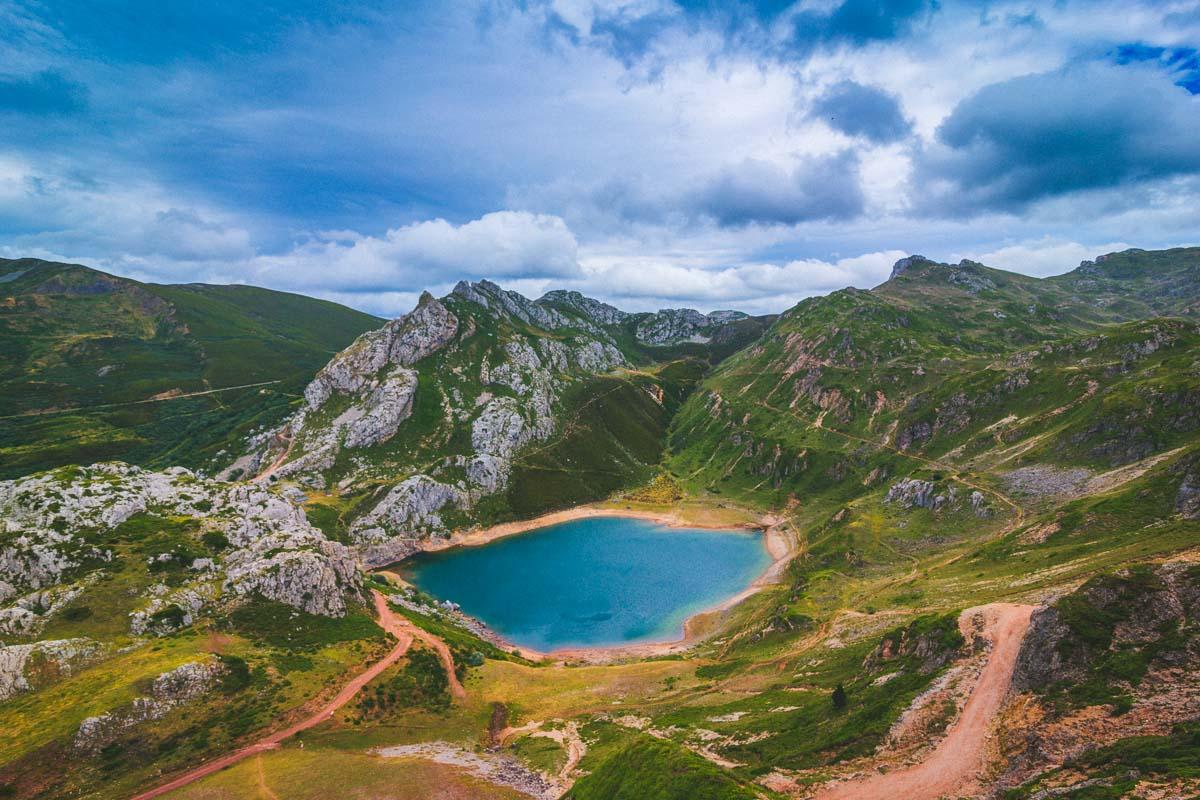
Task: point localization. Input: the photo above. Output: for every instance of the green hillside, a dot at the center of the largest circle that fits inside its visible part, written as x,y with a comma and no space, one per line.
81,351
956,443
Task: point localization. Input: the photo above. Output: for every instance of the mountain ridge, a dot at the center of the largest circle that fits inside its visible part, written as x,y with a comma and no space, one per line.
956,440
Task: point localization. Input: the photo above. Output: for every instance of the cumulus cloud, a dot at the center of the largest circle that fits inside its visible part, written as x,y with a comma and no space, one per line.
1042,257
1037,136
866,111
656,152
757,191
644,284
497,245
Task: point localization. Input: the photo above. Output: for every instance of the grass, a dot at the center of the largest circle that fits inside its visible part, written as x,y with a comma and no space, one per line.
540,752
651,769
1120,766
277,625
69,322
308,774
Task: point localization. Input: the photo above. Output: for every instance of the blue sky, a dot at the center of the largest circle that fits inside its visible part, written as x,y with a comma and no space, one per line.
649,152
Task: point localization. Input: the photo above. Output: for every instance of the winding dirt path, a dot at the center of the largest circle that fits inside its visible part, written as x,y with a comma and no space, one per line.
953,471
391,622
158,398
279,461
955,764
456,688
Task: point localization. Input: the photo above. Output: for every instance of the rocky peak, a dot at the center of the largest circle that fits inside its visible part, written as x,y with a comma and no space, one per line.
511,304
595,310
671,325
402,342
905,264
723,316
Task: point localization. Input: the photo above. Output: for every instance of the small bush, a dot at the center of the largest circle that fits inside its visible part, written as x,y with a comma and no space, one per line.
237,674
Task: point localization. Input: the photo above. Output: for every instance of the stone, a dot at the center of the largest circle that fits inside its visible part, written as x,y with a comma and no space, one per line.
168,691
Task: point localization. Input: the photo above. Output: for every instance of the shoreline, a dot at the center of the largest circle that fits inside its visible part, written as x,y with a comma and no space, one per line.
779,544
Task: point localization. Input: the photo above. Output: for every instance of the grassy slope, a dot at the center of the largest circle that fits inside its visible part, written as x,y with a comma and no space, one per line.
62,325
974,395
609,431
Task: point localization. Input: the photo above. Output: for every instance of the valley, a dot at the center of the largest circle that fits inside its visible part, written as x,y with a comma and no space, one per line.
980,490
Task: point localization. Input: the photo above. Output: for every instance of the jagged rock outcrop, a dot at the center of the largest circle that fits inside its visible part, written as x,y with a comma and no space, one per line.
60,656
1187,499
929,644
1135,607
272,549
512,304
402,342
912,492
497,391
596,311
361,397
411,507
672,325
916,493
905,264
168,691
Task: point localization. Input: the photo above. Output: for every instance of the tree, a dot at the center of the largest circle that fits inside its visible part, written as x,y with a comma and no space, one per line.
839,697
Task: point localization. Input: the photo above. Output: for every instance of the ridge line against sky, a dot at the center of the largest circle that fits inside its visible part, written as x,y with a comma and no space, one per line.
649,153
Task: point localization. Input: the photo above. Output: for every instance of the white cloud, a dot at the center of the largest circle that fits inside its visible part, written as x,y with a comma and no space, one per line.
1042,257
498,245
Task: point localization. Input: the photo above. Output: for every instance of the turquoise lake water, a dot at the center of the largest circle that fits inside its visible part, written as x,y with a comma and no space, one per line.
593,582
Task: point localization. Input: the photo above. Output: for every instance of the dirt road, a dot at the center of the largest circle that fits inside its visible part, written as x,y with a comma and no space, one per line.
953,767
456,688
158,398
392,623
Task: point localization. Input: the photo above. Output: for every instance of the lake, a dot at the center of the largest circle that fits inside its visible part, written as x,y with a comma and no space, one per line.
593,582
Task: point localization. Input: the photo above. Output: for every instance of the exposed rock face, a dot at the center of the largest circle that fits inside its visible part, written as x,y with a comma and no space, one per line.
673,325
402,342
668,326
594,310
499,430
722,317
411,507
928,647
272,550
905,264
1187,499
169,690
1136,607
62,655
916,493
912,492
379,416
512,304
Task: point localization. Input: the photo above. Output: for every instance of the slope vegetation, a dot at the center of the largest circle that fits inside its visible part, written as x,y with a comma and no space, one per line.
81,353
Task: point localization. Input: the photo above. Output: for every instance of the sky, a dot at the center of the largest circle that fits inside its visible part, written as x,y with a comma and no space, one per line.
651,153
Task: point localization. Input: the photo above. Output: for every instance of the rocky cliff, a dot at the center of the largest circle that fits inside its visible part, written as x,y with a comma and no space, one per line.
198,542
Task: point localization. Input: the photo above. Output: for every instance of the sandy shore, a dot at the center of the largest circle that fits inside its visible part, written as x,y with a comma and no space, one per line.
778,541
476,537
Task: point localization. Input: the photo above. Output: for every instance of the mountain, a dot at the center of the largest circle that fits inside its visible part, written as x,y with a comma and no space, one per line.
485,406
987,486
960,436
83,354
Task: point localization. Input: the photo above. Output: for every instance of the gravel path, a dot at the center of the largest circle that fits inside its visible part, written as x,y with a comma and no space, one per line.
953,767
392,623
